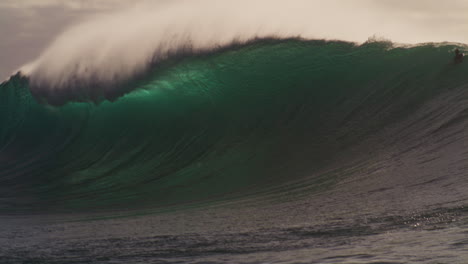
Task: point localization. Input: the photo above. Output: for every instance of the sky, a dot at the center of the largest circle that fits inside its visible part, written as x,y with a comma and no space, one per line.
28,27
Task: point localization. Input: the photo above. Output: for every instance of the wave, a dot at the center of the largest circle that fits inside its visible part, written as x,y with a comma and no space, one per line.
267,116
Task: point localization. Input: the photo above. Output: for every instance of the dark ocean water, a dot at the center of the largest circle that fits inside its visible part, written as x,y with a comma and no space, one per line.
277,151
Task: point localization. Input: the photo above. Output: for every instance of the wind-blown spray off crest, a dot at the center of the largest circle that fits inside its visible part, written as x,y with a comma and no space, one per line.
94,58
91,59
112,48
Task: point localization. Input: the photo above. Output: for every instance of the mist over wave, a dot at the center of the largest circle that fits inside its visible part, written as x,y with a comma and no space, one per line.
95,57
113,48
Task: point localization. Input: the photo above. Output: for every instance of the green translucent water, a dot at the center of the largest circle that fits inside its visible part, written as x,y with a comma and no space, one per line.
212,127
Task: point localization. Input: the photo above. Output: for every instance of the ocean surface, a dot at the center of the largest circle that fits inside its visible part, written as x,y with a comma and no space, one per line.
269,151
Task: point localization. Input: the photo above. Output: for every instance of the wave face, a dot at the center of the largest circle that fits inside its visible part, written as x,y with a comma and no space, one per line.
270,116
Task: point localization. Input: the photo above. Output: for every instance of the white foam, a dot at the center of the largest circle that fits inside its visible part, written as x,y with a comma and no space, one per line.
115,46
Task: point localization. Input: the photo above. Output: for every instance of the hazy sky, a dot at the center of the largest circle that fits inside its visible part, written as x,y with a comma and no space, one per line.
27,27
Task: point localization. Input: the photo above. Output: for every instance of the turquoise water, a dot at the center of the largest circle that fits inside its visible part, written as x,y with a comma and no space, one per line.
272,151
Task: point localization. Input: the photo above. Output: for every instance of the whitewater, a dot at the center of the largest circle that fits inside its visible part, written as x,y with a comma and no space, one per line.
215,133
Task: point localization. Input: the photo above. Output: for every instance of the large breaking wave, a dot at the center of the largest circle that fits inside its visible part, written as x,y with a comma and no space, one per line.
266,117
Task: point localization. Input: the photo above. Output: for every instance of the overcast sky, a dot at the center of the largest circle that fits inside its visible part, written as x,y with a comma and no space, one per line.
27,27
